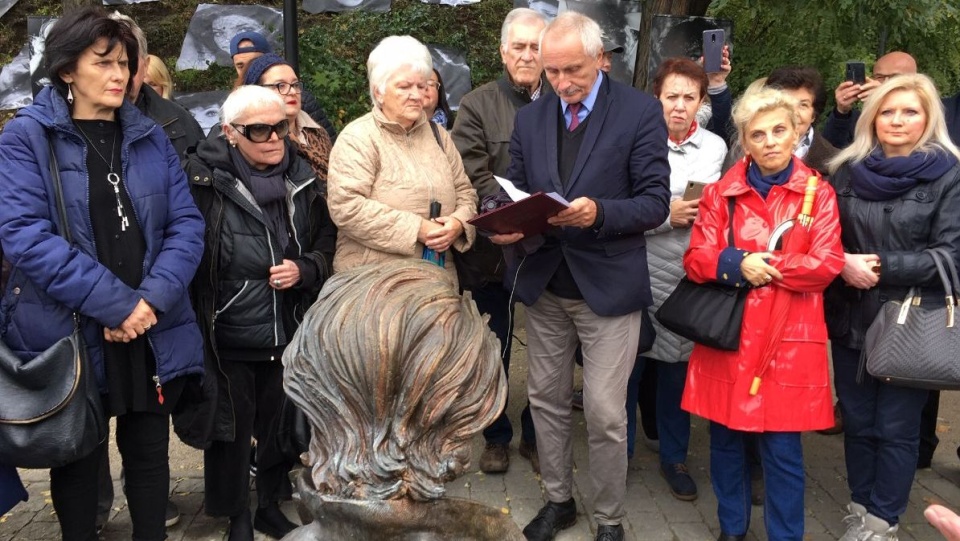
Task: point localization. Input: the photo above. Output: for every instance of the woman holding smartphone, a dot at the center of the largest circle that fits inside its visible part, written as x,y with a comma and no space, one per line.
696,156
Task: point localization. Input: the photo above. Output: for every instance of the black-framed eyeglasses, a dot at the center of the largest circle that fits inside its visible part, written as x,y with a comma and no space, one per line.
434,84
260,133
286,88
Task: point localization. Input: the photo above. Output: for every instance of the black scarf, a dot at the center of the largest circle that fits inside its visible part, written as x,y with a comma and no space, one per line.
269,190
878,178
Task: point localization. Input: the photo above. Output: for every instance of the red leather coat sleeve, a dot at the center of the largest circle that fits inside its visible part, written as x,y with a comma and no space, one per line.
814,270
708,236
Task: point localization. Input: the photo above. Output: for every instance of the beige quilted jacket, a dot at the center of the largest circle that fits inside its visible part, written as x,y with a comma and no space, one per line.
380,184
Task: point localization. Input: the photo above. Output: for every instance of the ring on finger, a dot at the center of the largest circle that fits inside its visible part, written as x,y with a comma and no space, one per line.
277,283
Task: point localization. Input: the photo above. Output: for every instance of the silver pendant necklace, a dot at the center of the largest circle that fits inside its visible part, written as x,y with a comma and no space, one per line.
112,178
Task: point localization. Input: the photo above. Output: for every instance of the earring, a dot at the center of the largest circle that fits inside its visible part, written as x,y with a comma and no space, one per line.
70,94
233,143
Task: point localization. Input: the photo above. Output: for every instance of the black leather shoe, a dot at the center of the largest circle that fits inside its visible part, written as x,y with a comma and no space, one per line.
271,521
552,518
606,532
728,537
240,527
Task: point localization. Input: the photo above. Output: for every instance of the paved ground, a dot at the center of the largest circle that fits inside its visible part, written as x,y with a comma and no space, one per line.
652,513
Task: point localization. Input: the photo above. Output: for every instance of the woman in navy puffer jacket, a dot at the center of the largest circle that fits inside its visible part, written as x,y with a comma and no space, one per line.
138,238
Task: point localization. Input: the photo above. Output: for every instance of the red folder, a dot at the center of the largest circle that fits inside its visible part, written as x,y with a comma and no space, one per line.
528,215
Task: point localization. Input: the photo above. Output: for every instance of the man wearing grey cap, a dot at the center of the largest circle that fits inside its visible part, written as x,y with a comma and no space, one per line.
609,49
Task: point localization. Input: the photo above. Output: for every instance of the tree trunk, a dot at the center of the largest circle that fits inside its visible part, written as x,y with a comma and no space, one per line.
70,5
688,8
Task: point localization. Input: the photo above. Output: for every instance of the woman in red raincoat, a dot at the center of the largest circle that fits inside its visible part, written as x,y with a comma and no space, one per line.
768,187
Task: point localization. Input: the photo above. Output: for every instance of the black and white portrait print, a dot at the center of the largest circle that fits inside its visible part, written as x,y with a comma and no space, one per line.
204,106
549,8
453,68
213,25
682,37
620,22
125,2
37,30
5,6
15,82
337,6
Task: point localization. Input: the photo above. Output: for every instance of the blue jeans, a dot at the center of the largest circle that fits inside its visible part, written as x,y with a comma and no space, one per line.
881,436
782,458
673,424
641,391
494,300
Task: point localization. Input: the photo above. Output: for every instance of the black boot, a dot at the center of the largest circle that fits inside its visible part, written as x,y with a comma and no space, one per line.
241,529
271,521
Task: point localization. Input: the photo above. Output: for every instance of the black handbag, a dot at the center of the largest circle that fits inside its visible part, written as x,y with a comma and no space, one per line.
915,344
710,314
293,431
50,409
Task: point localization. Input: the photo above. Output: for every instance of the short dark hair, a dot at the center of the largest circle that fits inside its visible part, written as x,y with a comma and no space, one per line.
797,77
680,66
75,32
442,100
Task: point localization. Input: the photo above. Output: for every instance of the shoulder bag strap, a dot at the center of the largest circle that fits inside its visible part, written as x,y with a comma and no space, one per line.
61,209
952,267
436,134
731,206
58,192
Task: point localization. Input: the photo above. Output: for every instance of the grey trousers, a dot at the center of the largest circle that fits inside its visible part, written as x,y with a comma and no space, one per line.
554,327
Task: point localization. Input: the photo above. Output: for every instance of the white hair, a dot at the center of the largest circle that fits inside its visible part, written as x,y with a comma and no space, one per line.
571,22
519,15
137,32
392,54
249,98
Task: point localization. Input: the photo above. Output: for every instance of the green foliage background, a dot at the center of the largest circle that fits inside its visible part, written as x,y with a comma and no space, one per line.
827,33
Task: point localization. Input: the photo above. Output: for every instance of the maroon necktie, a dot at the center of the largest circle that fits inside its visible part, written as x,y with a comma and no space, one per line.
574,119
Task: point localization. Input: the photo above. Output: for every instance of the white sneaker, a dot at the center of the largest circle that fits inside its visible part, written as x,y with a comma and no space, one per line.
854,521
877,529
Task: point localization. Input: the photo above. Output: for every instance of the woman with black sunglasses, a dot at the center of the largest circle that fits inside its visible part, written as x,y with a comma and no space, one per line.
269,248
311,140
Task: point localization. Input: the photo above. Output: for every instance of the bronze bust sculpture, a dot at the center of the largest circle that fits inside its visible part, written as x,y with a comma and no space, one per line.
396,373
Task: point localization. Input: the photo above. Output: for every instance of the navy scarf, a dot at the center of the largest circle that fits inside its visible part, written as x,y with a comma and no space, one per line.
763,184
878,178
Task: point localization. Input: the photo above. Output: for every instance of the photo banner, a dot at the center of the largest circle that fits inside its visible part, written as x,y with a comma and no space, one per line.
338,6
204,106
672,36
453,68
213,26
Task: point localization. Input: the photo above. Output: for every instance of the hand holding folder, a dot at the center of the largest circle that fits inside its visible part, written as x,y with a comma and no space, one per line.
528,214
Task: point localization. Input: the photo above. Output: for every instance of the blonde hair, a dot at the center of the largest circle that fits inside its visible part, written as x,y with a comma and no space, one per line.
157,72
760,101
935,135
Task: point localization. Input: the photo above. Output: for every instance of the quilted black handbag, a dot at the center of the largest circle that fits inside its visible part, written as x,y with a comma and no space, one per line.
50,409
915,344
711,313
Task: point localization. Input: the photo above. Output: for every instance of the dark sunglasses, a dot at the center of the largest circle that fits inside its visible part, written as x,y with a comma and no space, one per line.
260,133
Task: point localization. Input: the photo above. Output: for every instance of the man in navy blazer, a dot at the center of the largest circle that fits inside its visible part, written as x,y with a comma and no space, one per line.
603,146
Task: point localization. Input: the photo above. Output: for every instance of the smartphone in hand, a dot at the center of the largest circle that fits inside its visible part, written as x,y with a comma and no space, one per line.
713,41
694,190
856,72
